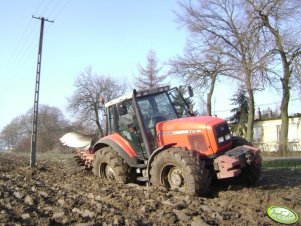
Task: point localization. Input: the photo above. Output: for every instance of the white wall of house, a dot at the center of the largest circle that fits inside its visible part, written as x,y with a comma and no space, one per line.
266,134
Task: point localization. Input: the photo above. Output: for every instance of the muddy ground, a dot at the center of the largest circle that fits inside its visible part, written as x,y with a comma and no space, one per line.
50,195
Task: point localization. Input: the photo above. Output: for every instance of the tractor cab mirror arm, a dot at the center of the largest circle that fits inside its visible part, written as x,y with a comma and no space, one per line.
190,91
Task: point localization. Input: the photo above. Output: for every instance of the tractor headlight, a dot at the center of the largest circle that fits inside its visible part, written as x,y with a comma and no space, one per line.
220,139
228,137
222,134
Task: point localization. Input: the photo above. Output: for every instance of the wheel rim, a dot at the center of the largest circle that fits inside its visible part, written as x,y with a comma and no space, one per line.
172,177
106,171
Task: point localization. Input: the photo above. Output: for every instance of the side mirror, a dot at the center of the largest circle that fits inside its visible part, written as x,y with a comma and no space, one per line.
122,109
190,91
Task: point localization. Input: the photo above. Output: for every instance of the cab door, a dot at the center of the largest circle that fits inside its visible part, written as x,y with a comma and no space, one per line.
123,120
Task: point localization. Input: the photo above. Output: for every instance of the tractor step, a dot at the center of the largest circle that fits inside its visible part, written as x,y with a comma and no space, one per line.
142,179
141,166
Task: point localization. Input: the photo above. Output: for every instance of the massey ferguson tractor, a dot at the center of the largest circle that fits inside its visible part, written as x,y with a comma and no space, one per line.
154,137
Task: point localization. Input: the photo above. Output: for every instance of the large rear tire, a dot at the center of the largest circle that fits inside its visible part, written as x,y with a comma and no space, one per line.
250,173
107,164
179,169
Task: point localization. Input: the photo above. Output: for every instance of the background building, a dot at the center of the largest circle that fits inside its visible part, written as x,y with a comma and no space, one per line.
266,133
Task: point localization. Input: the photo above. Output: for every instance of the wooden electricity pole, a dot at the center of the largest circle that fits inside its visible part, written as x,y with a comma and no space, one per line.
36,95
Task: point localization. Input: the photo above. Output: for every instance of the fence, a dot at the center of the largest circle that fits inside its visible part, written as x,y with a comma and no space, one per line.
273,146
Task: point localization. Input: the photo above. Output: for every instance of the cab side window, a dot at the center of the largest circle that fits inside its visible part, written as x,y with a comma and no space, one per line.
112,119
126,114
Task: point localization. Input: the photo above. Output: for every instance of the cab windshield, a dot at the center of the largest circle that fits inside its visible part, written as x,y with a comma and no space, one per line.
156,108
179,103
162,106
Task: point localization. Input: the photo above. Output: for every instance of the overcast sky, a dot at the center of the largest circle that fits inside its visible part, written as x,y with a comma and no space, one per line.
110,36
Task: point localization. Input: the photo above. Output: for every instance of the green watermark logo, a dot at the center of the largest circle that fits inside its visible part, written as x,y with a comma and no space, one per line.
282,214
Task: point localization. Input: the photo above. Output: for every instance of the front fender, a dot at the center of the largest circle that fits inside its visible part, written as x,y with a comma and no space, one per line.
156,152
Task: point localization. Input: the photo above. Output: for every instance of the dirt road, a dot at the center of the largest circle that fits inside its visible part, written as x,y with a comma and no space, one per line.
50,195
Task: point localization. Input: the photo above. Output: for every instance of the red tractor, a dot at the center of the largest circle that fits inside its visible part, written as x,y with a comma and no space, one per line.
154,137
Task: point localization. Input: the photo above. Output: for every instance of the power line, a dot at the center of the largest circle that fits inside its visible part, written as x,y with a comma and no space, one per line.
54,8
17,46
24,49
25,53
20,43
62,9
58,12
43,12
278,102
35,12
260,105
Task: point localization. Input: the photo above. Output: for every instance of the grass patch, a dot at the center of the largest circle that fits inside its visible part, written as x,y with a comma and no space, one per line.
282,163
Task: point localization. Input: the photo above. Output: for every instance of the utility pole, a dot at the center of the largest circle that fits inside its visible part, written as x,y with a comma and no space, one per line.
36,95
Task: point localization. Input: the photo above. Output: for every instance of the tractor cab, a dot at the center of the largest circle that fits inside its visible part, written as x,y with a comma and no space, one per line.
134,116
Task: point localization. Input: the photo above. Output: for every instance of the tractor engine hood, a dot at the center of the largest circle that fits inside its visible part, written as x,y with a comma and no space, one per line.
194,133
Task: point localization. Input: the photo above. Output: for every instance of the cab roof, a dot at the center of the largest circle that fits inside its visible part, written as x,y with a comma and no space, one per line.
119,99
139,93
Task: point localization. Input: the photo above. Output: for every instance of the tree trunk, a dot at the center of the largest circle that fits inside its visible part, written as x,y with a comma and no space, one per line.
210,94
99,129
101,134
285,86
251,111
282,150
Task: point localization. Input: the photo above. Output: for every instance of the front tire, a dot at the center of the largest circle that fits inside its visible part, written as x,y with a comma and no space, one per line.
250,174
179,169
107,164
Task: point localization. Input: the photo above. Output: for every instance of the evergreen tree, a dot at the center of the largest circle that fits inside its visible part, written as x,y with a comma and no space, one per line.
239,119
149,75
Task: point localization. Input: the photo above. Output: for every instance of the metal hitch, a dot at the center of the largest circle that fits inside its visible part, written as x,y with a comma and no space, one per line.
230,164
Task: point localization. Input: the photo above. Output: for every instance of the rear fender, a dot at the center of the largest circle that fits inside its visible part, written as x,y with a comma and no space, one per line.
120,145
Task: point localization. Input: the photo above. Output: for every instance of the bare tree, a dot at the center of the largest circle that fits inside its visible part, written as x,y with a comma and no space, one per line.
13,133
297,76
85,100
202,107
199,68
16,131
276,18
52,125
227,30
149,75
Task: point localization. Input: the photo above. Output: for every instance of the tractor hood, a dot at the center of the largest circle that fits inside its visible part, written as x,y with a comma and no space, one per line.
189,123
194,133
